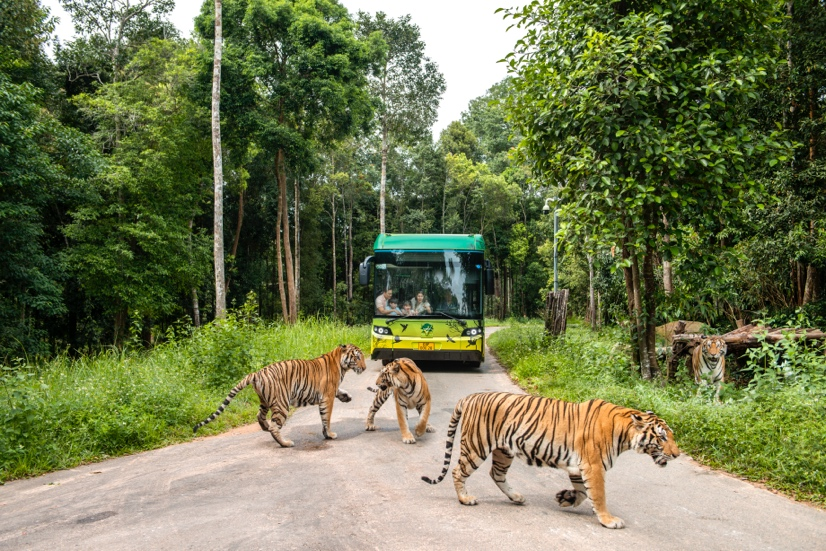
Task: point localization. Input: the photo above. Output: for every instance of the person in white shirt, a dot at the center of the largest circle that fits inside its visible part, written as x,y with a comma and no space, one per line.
381,302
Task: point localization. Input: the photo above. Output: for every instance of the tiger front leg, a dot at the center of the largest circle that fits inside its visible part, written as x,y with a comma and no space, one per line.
423,426
401,413
378,401
593,479
502,461
325,409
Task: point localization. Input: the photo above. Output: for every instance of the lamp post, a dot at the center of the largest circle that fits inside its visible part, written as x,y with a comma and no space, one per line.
545,210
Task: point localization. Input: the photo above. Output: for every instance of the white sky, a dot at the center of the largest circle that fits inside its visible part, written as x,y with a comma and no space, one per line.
464,37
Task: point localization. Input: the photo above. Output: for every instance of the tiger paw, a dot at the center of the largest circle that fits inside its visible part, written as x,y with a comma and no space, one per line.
566,498
430,428
610,521
468,500
517,498
343,396
287,443
370,426
330,435
408,439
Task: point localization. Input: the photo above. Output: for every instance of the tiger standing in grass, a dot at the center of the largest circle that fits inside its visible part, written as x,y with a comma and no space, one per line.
708,360
406,382
298,383
584,439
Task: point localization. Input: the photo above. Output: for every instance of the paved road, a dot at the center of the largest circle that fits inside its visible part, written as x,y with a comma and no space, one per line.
363,491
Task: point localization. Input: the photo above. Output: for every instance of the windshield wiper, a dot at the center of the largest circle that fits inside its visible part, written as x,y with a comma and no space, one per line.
463,323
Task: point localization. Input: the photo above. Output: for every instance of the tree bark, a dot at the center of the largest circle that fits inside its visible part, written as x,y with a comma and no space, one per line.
196,310
289,271
350,252
556,311
333,240
650,310
642,342
382,191
297,227
592,305
628,275
218,171
668,277
279,267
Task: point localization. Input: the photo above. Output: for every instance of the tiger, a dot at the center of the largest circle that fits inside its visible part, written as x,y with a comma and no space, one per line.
709,359
582,438
405,380
298,383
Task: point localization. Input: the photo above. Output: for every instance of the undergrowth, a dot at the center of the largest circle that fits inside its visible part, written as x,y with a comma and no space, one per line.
70,411
772,431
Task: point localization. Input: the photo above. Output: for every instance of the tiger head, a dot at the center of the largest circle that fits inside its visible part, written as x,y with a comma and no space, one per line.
393,375
352,358
654,437
714,348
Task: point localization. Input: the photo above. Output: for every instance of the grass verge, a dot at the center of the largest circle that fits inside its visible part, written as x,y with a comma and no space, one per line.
778,439
72,411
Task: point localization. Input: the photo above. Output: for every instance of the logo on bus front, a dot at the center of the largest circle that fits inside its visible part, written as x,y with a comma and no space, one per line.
427,329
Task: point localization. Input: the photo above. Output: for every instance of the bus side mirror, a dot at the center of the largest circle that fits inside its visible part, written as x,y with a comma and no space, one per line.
488,278
364,271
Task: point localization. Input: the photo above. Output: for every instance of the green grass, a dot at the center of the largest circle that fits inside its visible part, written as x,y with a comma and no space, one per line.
778,438
72,411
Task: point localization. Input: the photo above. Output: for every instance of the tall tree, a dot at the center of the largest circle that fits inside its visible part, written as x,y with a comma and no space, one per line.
218,169
407,84
640,110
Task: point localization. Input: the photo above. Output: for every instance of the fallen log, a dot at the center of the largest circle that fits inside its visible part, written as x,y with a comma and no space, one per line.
773,336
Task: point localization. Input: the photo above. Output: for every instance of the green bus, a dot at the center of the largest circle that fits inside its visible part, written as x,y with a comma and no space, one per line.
429,295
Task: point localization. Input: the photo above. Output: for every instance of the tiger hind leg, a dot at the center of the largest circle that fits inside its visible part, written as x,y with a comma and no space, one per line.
378,401
502,460
279,417
466,466
572,498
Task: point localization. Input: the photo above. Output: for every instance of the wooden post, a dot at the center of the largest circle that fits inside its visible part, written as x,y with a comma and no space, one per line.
556,312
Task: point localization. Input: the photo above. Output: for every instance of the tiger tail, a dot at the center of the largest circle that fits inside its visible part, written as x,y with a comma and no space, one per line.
238,388
451,433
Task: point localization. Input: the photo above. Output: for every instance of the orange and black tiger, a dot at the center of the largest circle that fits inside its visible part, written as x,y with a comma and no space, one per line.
708,360
298,383
406,382
582,438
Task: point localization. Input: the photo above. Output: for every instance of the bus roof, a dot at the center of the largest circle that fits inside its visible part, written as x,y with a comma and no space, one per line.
429,242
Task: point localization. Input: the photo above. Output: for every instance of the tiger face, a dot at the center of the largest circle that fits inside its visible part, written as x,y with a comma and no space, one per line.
390,375
352,358
714,349
654,437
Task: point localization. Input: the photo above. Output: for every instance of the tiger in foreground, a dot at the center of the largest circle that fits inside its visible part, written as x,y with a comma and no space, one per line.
406,382
298,383
584,439
708,360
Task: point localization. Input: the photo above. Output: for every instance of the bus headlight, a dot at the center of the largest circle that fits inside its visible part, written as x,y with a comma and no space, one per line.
381,330
472,332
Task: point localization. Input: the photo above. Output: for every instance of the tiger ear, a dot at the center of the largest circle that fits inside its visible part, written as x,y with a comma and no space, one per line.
703,336
342,346
395,367
638,421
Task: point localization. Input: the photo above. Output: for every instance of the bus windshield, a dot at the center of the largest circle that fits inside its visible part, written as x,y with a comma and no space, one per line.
428,284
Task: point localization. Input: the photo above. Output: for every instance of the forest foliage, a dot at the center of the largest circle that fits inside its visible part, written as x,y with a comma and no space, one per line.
683,142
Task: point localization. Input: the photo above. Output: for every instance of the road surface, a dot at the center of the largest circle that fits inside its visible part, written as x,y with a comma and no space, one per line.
240,490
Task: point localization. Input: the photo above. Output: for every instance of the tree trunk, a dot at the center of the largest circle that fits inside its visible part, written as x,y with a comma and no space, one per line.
591,316
642,342
556,311
382,192
196,310
650,310
289,271
350,252
297,226
668,278
279,267
218,171
333,240
628,274
240,222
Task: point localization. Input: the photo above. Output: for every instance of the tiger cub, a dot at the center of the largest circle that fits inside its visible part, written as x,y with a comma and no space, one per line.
584,439
708,359
405,380
298,383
